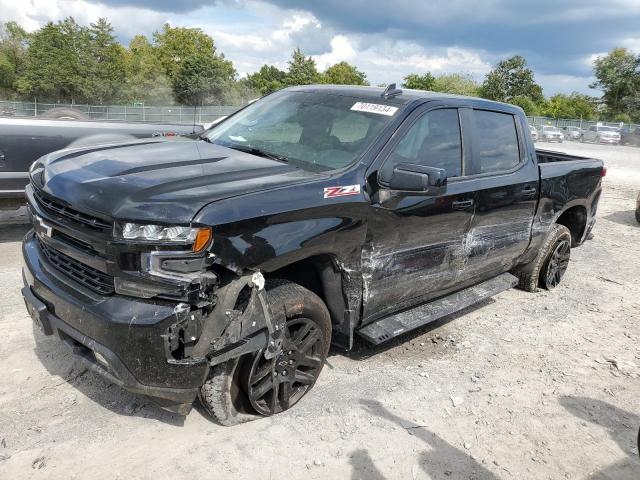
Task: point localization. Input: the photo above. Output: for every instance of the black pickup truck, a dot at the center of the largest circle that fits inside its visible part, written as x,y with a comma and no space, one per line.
225,265
24,140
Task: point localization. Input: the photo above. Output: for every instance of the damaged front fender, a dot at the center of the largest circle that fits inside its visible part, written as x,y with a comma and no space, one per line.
229,332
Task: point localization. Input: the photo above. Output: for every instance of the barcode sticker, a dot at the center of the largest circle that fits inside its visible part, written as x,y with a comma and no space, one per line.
387,110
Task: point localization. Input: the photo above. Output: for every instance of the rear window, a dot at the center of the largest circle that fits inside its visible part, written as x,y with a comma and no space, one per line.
496,141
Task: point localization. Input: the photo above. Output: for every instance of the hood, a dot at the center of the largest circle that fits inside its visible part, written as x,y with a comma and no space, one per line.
159,180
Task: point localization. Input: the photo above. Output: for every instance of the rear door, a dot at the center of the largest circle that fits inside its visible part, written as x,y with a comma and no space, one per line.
415,243
505,179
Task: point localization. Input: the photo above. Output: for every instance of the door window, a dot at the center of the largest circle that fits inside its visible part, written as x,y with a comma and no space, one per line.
497,147
433,141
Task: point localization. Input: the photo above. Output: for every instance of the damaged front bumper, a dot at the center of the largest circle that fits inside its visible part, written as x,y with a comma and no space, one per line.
139,344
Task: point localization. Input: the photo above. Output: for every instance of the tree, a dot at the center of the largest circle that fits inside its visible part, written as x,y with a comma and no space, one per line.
344,74
618,76
13,47
509,79
576,105
56,63
302,70
201,76
173,45
456,83
266,80
145,79
420,82
525,103
107,64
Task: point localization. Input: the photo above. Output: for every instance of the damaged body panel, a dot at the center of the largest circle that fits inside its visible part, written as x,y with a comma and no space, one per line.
377,202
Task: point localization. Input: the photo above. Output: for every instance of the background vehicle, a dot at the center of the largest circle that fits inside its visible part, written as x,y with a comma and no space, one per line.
549,133
22,141
572,133
601,134
534,133
630,136
224,266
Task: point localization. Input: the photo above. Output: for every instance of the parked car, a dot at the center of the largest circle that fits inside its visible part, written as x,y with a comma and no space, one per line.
550,133
223,266
630,136
24,140
601,134
572,133
534,133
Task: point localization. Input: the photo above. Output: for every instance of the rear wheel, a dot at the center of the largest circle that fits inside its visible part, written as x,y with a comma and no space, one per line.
550,264
239,389
556,264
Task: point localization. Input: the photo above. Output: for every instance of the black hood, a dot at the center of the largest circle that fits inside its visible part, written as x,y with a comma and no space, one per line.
159,180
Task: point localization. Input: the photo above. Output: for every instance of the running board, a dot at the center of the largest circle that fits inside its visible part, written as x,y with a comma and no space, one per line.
389,327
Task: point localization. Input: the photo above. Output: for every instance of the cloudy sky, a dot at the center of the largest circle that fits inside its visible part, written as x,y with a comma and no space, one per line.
385,39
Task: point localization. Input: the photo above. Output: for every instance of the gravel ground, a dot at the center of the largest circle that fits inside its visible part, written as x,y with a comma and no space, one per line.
525,386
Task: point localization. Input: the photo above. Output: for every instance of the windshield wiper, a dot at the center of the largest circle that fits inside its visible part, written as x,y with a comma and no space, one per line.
256,151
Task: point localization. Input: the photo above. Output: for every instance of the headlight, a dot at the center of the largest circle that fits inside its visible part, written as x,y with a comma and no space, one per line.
198,236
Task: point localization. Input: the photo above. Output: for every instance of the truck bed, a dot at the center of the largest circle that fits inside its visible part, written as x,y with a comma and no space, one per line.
550,156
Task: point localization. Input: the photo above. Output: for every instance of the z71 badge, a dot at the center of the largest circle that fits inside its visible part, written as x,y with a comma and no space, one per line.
332,192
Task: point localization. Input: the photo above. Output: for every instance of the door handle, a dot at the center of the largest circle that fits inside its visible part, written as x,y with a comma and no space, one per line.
461,204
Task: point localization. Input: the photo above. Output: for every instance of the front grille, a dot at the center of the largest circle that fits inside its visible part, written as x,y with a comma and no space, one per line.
89,277
57,208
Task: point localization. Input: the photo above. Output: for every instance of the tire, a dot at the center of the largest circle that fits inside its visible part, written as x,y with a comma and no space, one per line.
62,113
638,214
535,274
231,394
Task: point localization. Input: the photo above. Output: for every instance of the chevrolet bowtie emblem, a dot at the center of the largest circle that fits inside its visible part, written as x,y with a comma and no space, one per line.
46,228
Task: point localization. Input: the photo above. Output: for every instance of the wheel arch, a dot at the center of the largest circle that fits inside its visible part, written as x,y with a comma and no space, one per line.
322,274
575,218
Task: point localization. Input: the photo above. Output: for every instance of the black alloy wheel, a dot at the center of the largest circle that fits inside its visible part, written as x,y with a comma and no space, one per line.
556,264
274,385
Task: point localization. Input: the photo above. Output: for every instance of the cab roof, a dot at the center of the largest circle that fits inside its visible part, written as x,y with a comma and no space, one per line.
374,94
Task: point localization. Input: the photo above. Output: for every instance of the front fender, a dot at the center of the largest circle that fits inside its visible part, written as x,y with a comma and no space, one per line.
282,232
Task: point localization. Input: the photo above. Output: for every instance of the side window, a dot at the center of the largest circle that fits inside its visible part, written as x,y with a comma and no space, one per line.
497,147
433,141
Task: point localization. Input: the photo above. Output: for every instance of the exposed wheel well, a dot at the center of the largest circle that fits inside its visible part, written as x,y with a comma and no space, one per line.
321,275
575,219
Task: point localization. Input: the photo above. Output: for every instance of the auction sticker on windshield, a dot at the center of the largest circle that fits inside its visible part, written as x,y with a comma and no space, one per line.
374,108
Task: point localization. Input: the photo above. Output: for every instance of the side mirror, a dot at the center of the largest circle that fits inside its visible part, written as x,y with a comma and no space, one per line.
408,177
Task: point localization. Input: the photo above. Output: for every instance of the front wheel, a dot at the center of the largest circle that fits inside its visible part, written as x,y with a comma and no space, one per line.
550,264
239,389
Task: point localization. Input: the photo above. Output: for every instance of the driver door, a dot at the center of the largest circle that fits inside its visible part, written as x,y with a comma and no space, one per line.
416,248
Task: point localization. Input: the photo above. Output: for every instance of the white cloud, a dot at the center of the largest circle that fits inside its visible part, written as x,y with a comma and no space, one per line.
341,50
32,14
567,84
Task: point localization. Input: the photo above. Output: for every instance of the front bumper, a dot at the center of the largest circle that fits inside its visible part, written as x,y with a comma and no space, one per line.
608,140
128,334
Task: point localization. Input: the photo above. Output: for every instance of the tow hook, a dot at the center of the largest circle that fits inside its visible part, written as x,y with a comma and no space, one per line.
275,326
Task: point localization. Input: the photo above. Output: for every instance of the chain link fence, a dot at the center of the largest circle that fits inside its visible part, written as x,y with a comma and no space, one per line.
122,113
583,124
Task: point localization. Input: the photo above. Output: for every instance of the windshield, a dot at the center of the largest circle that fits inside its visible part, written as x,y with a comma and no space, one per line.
551,129
608,129
312,130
